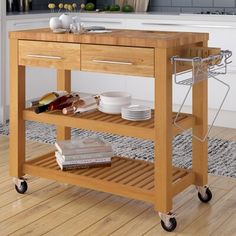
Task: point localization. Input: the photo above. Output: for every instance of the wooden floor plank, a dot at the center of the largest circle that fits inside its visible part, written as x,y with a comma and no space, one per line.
89,217
213,218
116,219
39,210
63,214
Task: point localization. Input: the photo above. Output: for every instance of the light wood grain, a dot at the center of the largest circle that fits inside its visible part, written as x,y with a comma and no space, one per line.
68,54
17,105
134,38
199,148
140,60
163,130
63,84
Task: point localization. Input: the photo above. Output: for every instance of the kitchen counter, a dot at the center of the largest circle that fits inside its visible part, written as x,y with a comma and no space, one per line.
136,15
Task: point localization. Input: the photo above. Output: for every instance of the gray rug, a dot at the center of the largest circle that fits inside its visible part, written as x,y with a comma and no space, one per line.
222,153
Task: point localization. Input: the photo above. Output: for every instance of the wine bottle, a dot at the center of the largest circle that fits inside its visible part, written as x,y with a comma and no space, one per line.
48,98
30,5
59,103
83,104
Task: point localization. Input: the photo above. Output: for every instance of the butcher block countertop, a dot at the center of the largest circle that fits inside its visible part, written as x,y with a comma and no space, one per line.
135,38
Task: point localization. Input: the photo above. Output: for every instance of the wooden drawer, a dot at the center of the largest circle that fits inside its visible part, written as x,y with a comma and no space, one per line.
118,60
49,54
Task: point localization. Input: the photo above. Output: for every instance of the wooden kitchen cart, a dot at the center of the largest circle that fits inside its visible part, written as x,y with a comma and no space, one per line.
126,52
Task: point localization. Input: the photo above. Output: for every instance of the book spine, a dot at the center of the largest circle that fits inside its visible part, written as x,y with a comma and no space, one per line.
72,167
86,161
67,152
84,156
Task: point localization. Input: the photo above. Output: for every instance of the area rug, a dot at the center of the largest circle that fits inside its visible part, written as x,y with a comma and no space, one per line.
221,158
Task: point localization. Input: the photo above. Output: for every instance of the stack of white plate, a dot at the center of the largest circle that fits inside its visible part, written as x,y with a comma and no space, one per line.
112,102
136,113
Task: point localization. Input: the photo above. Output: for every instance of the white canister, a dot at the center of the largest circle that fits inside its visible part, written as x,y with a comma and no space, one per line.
55,23
66,20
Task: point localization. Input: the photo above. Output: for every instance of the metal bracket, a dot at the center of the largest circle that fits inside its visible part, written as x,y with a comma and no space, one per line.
211,73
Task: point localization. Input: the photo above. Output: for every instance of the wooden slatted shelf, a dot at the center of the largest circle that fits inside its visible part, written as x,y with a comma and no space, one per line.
98,121
125,177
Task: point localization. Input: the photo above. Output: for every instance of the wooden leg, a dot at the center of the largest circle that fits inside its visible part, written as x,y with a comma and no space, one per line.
163,131
200,112
17,105
63,83
200,149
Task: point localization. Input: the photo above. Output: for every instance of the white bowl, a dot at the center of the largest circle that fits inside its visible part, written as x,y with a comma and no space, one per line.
115,98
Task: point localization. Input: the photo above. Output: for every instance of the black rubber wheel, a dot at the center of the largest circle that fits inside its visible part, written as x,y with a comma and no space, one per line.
207,197
171,227
23,187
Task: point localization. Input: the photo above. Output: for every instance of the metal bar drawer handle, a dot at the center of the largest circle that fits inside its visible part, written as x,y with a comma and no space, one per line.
45,56
113,62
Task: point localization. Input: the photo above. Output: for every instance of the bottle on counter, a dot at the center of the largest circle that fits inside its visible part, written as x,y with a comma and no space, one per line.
48,98
59,103
30,5
82,105
26,5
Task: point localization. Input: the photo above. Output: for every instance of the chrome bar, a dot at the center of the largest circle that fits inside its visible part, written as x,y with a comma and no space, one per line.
45,56
113,62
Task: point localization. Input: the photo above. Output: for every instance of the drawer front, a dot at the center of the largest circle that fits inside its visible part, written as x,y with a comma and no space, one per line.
118,60
49,54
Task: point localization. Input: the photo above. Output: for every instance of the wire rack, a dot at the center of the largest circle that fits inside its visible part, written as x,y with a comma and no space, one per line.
201,69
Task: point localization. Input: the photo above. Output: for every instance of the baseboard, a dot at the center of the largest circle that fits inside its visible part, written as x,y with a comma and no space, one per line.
225,119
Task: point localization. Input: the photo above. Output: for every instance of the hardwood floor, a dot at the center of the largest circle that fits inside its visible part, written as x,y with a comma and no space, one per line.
52,208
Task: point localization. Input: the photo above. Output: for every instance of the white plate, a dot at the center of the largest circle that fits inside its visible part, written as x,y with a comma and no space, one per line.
115,98
136,108
135,119
109,111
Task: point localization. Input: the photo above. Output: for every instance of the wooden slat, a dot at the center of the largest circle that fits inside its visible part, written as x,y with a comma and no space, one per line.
132,177
107,123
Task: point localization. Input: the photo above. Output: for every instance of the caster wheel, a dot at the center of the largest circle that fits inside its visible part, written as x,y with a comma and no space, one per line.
207,197
22,187
170,226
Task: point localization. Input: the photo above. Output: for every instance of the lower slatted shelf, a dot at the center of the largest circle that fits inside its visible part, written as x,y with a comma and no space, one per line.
126,177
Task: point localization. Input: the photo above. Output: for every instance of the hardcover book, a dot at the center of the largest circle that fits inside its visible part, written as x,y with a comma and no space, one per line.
82,146
82,161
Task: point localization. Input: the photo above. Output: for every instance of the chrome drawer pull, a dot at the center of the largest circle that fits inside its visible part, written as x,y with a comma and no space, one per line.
113,62
44,56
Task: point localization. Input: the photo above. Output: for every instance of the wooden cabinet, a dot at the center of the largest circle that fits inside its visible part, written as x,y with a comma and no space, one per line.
118,60
49,54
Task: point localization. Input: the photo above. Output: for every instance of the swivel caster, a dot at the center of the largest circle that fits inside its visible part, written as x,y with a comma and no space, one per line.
168,221
204,194
21,185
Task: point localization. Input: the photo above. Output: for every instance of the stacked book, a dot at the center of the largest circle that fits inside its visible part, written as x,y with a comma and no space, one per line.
83,153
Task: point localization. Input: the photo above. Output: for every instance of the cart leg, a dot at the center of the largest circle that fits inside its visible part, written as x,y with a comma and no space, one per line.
17,105
200,149
163,130
63,83
200,112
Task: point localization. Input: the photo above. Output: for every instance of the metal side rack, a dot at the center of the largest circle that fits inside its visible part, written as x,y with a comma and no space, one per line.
201,69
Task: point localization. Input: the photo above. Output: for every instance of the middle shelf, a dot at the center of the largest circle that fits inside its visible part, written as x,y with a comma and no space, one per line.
98,121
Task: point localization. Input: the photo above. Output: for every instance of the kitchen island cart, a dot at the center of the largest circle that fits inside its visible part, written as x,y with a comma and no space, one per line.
125,52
